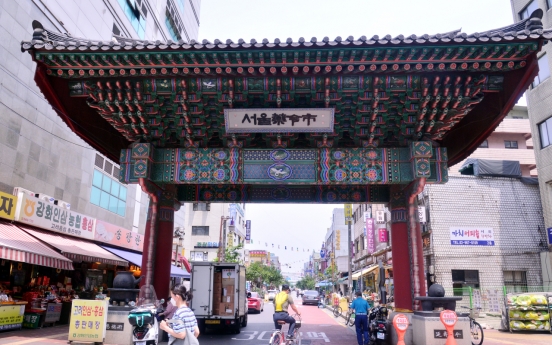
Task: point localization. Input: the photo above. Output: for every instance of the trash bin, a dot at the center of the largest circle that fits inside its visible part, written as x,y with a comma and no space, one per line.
31,320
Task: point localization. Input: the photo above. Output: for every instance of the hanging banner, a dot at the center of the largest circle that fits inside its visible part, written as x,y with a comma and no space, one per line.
247,230
88,320
348,211
370,243
45,215
8,203
117,236
382,235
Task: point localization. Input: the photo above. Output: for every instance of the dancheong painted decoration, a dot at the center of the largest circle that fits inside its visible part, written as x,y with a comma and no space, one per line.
387,96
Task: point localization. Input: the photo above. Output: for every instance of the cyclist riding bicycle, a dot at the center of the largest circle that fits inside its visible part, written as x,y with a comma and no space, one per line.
281,303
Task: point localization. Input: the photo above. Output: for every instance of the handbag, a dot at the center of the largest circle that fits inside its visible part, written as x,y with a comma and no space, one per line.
190,339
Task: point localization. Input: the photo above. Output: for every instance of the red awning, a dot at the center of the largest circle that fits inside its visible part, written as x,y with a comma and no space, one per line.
76,249
17,245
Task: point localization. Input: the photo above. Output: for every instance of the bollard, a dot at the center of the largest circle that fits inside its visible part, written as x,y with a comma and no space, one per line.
400,322
449,319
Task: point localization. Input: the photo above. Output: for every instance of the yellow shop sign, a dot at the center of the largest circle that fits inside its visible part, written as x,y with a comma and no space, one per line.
88,320
8,203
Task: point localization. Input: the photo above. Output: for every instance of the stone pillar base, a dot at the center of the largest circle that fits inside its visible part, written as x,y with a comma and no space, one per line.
425,327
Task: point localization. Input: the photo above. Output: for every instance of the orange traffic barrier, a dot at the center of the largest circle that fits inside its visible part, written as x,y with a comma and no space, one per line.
400,322
449,319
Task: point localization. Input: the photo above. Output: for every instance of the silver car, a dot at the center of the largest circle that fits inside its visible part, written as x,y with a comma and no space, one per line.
311,297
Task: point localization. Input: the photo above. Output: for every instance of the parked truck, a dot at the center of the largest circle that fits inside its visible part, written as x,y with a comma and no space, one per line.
219,295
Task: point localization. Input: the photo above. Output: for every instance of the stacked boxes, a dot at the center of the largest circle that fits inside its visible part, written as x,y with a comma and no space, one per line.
217,292
228,292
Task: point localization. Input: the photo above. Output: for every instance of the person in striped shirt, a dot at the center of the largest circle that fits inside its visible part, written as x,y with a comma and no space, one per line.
182,297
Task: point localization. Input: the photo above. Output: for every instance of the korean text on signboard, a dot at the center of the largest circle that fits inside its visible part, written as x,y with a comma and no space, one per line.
8,203
371,244
348,211
109,233
279,120
471,236
88,320
11,316
248,230
45,215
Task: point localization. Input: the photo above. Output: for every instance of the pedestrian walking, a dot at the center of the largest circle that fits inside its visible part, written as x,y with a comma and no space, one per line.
361,307
179,333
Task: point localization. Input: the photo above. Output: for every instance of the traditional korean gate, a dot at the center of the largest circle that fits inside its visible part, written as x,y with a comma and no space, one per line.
349,120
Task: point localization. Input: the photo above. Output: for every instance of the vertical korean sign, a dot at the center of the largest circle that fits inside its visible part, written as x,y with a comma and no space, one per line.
371,244
247,230
45,215
88,320
8,203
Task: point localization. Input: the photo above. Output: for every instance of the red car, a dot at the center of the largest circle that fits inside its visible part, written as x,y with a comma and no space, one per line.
254,302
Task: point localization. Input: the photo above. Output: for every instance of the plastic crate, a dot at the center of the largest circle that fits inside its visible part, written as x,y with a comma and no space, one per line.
31,320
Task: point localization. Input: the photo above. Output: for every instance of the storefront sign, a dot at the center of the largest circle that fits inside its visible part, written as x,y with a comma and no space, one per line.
382,235
45,215
471,236
11,316
348,211
371,244
247,230
53,312
279,120
422,214
257,253
8,203
117,236
549,231
88,320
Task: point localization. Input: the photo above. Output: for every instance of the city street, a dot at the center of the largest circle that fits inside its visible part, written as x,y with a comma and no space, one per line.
319,327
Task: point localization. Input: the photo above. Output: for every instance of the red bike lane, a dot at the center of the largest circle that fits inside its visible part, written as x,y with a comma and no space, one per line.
321,327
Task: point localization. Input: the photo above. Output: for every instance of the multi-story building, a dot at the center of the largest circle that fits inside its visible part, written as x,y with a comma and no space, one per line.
40,153
212,226
539,104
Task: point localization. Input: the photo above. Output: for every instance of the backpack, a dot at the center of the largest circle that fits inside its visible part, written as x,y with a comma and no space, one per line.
279,300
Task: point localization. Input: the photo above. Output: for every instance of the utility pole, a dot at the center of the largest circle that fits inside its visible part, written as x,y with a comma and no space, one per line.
348,220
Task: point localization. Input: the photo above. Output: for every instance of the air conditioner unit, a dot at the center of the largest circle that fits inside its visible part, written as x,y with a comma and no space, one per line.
380,216
45,197
18,190
63,204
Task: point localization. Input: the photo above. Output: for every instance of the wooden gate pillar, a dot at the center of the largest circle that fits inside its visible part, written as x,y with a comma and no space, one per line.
408,267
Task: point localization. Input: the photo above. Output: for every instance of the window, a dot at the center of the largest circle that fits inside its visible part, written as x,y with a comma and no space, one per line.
549,3
200,230
544,71
526,12
202,206
462,279
181,5
108,193
168,22
484,144
136,18
509,144
198,256
515,281
545,131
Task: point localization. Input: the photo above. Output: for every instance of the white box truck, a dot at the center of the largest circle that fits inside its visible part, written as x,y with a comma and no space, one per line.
219,295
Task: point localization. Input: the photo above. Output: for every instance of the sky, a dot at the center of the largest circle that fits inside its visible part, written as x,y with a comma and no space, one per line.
305,226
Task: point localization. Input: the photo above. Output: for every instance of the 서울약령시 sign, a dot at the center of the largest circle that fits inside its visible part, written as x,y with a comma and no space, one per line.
279,120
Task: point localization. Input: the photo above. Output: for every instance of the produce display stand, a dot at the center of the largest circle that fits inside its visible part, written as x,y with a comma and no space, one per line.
529,311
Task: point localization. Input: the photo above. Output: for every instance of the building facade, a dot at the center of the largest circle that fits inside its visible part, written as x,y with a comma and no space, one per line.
40,153
539,104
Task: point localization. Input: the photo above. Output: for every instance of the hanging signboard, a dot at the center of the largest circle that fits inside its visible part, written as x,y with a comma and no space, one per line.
45,215
279,120
247,230
471,236
382,235
8,203
371,244
117,236
422,214
348,211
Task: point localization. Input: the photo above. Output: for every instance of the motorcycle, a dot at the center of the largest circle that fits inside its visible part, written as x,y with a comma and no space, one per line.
142,318
377,325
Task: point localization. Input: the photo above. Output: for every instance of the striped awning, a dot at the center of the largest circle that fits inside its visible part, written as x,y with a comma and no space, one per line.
17,245
76,249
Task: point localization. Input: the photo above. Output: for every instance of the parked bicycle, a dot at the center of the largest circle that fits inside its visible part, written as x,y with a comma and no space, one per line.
475,329
350,318
278,337
337,310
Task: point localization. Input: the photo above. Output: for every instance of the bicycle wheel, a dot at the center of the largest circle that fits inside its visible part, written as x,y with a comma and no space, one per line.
476,333
276,338
337,311
351,320
297,336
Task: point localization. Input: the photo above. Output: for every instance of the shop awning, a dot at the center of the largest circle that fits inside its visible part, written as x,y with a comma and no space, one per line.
75,249
17,245
136,259
370,269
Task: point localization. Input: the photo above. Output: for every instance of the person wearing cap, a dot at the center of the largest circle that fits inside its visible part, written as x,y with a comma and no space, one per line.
282,301
361,307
